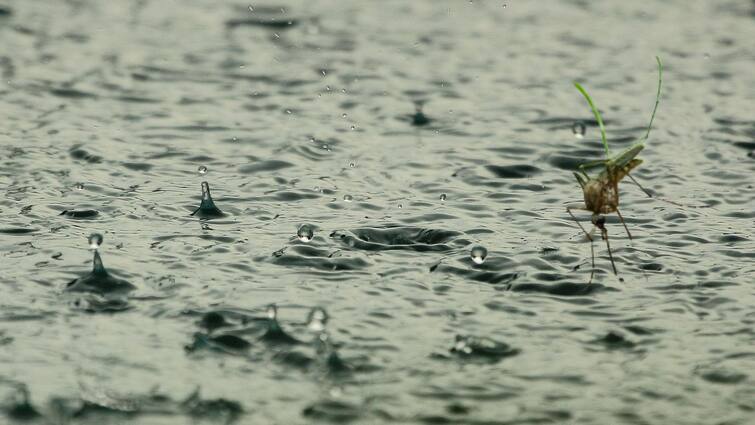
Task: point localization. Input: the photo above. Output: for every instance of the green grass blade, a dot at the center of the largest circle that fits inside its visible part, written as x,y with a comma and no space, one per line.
597,116
657,97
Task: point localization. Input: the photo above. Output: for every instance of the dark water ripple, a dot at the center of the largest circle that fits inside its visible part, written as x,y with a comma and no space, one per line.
405,134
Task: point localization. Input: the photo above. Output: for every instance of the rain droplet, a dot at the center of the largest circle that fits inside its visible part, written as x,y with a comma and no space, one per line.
352,164
95,240
442,196
348,198
400,206
79,186
353,127
317,319
578,128
202,170
344,115
251,9
305,233
478,254
272,312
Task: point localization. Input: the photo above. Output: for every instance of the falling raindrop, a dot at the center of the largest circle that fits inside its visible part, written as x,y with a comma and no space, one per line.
344,115
442,196
317,319
305,233
348,198
272,312
79,186
251,9
202,170
352,164
578,128
95,240
478,254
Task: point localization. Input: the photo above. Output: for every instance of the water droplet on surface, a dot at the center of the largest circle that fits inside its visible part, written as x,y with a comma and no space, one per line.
79,186
95,240
348,198
317,319
202,170
305,233
442,196
478,254
578,128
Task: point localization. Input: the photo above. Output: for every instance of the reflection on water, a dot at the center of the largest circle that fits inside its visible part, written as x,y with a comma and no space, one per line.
388,240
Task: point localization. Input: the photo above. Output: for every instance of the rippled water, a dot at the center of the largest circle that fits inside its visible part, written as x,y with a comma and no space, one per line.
303,114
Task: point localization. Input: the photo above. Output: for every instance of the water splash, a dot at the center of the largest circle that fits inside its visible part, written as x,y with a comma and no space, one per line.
207,208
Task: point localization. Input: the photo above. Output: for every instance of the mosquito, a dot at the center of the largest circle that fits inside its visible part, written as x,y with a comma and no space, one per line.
601,192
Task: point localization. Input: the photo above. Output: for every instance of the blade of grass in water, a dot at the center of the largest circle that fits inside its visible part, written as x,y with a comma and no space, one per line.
597,116
657,98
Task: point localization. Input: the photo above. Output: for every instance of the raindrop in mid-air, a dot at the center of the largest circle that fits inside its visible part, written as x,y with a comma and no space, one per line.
578,128
305,233
95,240
478,254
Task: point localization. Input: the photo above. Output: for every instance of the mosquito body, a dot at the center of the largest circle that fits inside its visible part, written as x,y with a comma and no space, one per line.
601,192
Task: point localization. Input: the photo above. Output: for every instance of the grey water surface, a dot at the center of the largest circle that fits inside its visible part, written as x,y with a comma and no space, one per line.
401,135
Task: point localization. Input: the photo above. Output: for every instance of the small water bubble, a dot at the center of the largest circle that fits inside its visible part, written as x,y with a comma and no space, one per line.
95,240
352,164
344,115
442,196
317,320
478,254
326,147
79,186
348,198
578,128
234,139
305,233
353,127
327,88
202,170
343,91
400,206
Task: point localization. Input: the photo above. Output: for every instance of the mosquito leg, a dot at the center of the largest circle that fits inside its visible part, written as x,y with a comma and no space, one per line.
604,231
568,209
640,186
622,222
592,255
